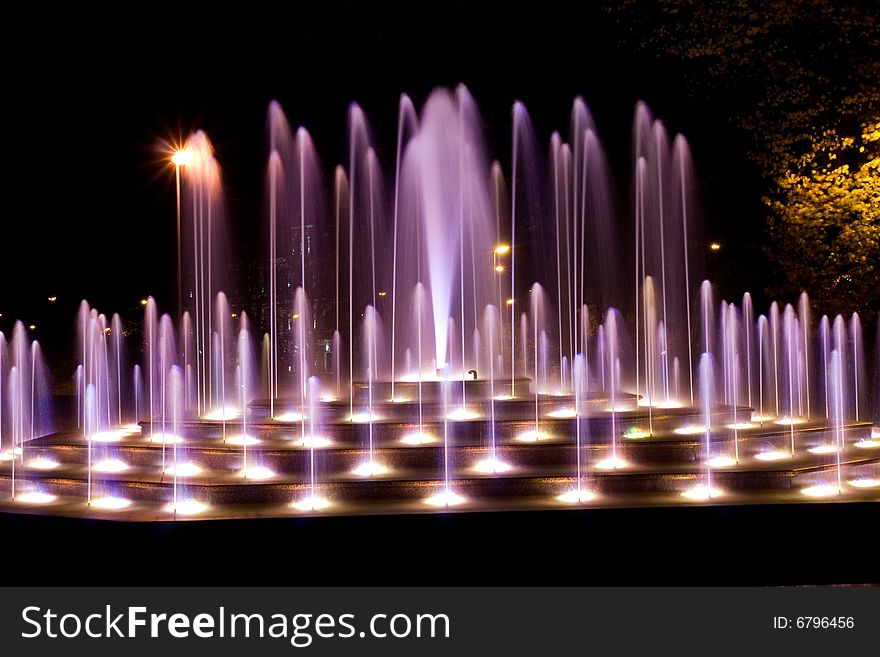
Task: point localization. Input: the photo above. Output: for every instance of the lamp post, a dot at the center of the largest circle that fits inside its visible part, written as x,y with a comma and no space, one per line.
180,158
500,250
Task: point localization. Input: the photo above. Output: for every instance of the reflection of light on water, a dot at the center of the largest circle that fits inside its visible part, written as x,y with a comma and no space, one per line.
864,482
612,463
492,466
242,440
361,416
35,497
444,498
134,427
739,426
574,496
620,407
370,469
312,441
532,436
186,507
218,414
503,397
110,465
111,503
43,463
311,503
690,429
257,473
868,443
5,456
757,417
772,455
327,398
562,413
823,449
820,490
289,416
701,492
416,438
721,462
462,414
399,400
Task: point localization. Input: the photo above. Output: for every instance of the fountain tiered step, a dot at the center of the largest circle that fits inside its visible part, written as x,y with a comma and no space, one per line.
272,468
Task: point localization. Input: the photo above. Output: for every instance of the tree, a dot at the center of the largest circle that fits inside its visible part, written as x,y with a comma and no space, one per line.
801,79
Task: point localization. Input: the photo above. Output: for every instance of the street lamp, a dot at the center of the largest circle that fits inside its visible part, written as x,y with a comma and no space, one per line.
180,158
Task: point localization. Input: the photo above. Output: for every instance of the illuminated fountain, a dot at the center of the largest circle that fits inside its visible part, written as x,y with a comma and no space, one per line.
455,333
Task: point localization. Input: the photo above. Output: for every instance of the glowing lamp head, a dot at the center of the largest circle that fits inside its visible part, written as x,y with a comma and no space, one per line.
181,157
501,249
715,246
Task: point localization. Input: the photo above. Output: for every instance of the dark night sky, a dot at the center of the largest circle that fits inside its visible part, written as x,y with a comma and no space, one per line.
90,205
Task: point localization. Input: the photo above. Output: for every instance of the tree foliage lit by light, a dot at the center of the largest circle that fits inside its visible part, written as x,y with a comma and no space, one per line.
801,81
825,220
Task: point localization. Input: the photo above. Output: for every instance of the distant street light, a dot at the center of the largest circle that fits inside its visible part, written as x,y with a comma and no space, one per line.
715,246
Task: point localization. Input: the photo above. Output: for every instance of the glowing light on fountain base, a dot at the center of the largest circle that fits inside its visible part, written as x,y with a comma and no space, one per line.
289,416
370,469
821,490
491,466
864,482
315,442
311,503
5,456
788,421
532,436
112,436
462,413
741,426
188,469
701,492
43,463
690,430
562,414
612,463
186,507
257,473
362,417
823,449
36,497
635,433
773,455
241,440
218,415
417,438
868,443
445,498
574,496
722,461
110,466
110,503
167,438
